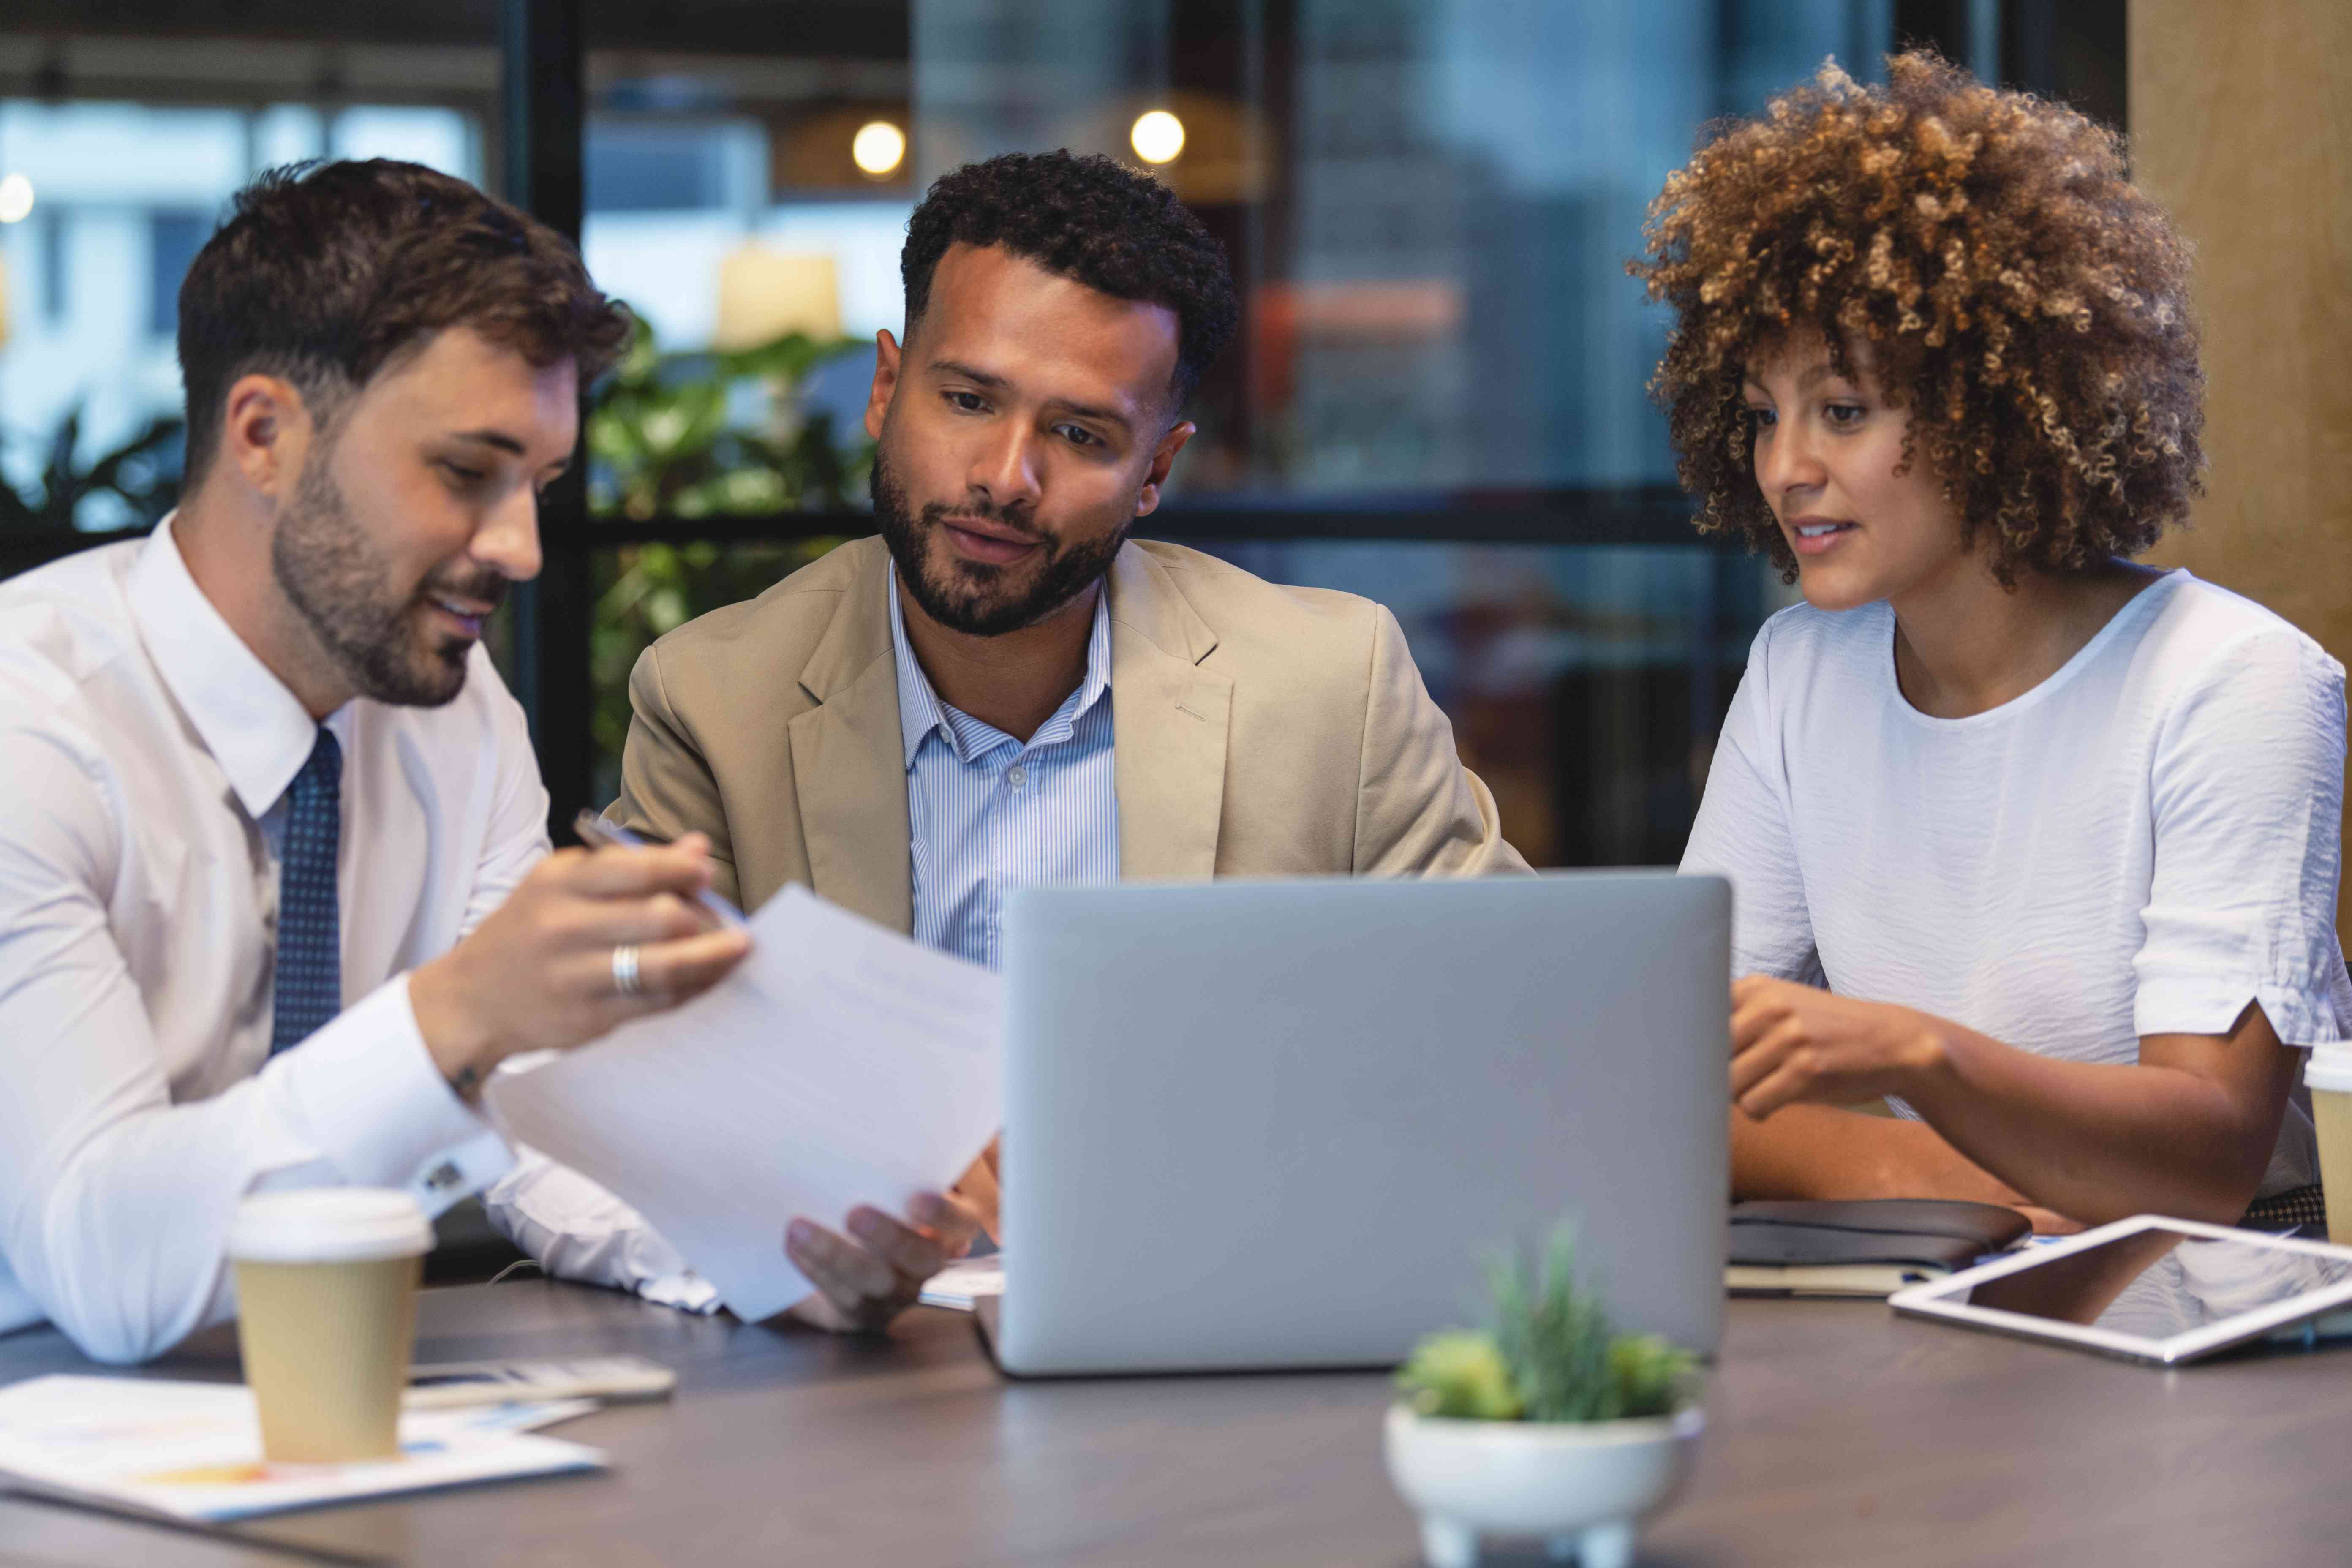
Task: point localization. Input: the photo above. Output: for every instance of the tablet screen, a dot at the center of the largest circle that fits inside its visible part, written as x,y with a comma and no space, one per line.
2154,1284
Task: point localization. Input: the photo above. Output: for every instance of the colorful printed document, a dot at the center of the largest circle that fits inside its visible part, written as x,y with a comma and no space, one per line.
839,1063
193,1451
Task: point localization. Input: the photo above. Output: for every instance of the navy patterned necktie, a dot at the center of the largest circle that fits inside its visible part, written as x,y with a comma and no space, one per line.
309,924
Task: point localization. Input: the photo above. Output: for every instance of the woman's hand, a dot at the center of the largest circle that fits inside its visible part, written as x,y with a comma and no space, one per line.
1793,1043
2186,1131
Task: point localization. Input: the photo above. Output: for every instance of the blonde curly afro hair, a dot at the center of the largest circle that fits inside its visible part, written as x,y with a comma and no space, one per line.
2017,295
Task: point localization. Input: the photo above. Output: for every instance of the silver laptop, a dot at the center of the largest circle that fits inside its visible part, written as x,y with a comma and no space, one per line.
1269,1124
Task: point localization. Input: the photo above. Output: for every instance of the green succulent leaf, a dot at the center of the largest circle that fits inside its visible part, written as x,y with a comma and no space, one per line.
1652,1375
1461,1374
1549,1354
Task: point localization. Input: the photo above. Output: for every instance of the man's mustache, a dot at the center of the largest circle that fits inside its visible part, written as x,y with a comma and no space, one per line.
938,512
484,587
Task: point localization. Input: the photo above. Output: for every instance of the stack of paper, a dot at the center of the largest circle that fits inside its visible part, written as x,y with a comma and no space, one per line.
193,1451
962,1284
840,1064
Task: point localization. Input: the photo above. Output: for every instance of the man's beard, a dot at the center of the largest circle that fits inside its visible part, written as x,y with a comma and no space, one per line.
972,596
332,575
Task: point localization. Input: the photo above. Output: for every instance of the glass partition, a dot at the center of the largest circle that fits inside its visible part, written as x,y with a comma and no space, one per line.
119,148
748,189
1435,399
1430,202
1428,207
1586,684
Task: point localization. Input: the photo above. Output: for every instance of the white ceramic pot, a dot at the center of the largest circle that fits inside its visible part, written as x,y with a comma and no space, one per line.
1583,1487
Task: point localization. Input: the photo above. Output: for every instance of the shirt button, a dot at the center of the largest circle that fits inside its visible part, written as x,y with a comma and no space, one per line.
1016,775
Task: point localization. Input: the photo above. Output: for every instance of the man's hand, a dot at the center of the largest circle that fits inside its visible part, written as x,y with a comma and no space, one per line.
1793,1043
867,1278
538,972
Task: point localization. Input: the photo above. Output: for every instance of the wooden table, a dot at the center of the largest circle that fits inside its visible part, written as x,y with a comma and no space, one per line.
1837,1434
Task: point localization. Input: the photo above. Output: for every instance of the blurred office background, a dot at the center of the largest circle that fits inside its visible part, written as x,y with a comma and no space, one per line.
1436,399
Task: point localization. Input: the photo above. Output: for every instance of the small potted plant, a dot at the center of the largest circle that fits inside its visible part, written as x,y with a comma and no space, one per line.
1550,1424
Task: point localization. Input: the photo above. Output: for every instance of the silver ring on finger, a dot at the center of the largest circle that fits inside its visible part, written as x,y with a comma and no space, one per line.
626,979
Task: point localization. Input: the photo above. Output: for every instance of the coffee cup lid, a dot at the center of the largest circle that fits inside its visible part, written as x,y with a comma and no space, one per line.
2330,1068
328,1225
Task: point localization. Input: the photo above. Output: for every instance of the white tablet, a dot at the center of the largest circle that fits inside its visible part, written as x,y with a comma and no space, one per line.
2150,1289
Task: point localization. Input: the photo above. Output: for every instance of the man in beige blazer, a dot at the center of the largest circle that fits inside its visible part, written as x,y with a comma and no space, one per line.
1260,731
1191,719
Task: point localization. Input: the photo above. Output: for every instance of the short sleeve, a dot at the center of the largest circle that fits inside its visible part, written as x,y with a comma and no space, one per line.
2247,794
1743,834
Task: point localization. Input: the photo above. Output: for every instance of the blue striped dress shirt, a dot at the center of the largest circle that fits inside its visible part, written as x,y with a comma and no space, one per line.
987,814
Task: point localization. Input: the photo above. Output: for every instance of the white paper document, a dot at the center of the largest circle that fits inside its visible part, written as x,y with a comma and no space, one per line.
964,1282
193,1451
840,1064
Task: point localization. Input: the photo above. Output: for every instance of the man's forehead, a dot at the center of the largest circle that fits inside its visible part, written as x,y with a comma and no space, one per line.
457,376
465,352
988,302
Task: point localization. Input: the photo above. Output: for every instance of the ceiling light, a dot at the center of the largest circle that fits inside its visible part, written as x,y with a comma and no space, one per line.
878,148
15,198
1158,137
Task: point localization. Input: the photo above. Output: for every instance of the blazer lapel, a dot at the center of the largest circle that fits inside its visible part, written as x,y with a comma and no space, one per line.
1169,722
849,763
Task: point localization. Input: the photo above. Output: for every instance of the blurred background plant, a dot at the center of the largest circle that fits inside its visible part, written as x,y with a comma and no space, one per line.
719,434
699,436
134,485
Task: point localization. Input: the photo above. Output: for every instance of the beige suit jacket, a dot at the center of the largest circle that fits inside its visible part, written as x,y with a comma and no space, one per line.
1258,731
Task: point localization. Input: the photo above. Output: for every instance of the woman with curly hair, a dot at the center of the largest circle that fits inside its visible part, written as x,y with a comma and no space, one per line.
2038,843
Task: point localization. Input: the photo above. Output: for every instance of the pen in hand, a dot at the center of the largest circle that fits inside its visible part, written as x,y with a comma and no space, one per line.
599,833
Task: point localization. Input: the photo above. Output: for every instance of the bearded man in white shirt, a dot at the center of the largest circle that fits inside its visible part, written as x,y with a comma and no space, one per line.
275,883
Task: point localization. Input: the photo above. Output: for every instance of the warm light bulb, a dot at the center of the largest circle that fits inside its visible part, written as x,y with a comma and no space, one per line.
15,198
879,147
1158,137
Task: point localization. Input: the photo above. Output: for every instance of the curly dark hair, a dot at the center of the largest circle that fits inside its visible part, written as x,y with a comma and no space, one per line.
2019,297
1117,231
324,272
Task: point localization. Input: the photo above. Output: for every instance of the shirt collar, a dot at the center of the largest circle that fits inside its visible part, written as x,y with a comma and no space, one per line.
921,711
257,729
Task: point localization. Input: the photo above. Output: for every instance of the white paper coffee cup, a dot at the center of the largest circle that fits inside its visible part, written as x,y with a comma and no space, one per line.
326,1285
2328,1076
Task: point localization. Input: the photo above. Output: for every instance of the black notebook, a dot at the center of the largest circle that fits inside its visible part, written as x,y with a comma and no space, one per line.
1861,1247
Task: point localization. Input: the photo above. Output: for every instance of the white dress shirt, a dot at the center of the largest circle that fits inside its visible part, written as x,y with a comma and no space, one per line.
148,752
